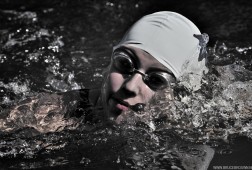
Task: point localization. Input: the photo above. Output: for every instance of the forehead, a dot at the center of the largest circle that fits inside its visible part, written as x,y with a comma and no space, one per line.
145,58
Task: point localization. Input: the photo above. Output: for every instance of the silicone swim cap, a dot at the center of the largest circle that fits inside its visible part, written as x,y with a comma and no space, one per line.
168,37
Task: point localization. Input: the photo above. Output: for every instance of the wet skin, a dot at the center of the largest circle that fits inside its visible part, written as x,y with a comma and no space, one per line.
122,90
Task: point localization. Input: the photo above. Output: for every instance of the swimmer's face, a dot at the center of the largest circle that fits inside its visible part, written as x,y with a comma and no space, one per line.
134,77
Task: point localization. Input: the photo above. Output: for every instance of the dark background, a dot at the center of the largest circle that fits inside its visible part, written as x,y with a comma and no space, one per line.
222,19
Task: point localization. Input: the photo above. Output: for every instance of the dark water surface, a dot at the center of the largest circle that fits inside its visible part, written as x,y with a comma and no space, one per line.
57,46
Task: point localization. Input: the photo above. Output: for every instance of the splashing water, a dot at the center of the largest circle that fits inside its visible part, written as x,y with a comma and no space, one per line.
222,107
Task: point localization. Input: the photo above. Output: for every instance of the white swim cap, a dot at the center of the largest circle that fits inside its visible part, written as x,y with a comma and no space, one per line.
168,37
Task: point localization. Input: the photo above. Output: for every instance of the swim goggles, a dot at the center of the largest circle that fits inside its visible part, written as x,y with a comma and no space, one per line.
123,62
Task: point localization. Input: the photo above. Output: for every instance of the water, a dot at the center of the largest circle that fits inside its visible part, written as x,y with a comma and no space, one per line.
60,46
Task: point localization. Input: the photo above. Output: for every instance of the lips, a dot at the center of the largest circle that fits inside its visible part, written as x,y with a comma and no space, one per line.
122,105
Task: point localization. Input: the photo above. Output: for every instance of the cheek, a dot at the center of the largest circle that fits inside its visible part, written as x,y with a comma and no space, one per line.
116,81
148,95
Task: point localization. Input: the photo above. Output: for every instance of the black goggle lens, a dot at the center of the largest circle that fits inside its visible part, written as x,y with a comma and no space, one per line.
157,81
123,63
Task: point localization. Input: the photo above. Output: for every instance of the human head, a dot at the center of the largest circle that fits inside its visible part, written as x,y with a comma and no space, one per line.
163,41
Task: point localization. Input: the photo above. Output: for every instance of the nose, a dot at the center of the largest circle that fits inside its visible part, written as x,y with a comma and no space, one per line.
134,84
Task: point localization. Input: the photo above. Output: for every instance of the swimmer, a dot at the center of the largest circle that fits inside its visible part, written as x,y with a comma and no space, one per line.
158,50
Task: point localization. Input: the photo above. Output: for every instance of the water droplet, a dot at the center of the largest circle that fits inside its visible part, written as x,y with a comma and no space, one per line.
118,160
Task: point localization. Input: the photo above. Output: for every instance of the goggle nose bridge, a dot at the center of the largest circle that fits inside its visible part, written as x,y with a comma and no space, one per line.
145,76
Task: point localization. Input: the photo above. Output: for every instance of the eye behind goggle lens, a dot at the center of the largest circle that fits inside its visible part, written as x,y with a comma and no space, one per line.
123,63
157,81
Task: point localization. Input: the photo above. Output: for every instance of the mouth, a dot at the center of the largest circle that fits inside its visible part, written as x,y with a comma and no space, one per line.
122,105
